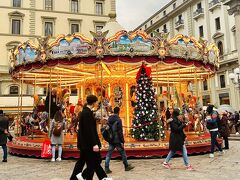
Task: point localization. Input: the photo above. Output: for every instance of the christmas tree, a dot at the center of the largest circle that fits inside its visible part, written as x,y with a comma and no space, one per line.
146,124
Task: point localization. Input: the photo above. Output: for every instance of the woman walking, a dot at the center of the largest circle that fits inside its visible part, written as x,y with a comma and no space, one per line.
177,138
56,135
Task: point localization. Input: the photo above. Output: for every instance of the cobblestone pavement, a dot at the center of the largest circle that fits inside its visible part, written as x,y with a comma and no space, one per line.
221,167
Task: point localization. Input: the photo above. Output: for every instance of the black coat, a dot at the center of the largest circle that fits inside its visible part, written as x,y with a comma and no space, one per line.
177,136
53,108
3,125
116,124
87,133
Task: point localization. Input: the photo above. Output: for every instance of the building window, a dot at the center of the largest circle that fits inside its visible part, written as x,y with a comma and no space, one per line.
224,98
201,31
217,23
99,8
145,26
206,100
16,26
199,6
74,28
165,28
164,13
13,90
174,5
179,17
158,30
220,47
222,81
74,6
205,85
16,3
48,29
49,5
151,34
151,22
99,27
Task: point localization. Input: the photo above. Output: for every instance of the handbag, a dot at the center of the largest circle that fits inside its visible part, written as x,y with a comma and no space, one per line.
46,149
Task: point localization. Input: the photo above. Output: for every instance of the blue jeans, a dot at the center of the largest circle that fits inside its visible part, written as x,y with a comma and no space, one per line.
184,154
121,151
4,147
214,141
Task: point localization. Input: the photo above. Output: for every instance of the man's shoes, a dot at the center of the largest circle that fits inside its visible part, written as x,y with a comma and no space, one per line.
79,176
4,160
237,133
211,155
108,171
107,178
129,168
53,160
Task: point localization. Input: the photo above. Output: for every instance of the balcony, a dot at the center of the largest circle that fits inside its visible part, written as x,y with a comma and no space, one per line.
214,4
179,24
198,13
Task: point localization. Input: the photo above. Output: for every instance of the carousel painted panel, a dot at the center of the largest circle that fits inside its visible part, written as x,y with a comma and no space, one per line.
74,48
126,45
69,46
26,54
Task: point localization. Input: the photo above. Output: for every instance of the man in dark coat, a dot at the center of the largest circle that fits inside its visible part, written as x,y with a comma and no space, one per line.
177,139
88,141
3,134
115,123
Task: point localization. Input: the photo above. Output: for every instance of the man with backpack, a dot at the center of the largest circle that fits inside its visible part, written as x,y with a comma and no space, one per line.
213,121
117,141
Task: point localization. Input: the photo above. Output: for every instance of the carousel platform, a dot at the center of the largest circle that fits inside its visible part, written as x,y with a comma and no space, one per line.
31,147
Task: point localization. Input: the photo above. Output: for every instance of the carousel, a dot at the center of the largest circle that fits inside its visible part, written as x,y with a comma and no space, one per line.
107,67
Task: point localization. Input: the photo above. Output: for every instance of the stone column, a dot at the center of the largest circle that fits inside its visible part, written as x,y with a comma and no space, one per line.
235,10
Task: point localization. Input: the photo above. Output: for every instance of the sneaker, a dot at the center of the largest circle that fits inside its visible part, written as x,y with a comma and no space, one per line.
211,155
129,168
79,176
189,168
58,159
237,133
107,178
221,153
166,165
108,171
4,160
53,160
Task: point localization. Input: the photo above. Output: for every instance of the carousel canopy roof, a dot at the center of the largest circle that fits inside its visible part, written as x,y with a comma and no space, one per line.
73,59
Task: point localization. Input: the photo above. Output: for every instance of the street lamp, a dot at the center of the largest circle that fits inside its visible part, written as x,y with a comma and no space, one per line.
235,77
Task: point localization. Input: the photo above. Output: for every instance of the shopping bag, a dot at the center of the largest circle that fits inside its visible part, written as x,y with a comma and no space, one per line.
46,149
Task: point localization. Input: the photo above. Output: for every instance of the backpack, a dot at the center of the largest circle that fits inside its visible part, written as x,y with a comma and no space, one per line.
107,132
57,129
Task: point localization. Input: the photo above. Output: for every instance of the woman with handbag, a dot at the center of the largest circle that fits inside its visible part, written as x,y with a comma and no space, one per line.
56,135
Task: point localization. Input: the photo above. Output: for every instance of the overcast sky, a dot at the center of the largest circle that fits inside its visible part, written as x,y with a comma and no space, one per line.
132,13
